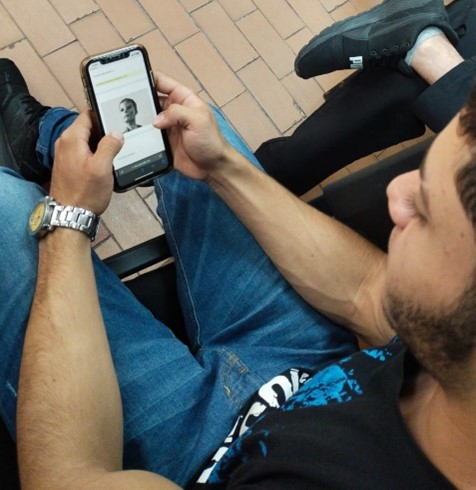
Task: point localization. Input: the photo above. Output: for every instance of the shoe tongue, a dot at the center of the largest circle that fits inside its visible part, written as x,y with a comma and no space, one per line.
31,106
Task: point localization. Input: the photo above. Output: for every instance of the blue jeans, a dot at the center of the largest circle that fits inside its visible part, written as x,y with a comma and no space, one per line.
245,323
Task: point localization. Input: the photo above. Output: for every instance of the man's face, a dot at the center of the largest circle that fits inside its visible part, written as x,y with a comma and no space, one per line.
128,111
431,259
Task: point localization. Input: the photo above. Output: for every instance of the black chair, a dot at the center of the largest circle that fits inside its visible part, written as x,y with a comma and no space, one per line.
358,200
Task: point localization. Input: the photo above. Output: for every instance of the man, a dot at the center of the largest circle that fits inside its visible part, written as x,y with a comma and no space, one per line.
413,419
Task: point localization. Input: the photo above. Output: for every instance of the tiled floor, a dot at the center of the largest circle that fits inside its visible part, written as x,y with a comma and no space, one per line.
237,54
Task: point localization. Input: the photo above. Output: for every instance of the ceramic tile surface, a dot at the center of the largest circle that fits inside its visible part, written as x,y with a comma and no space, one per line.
238,54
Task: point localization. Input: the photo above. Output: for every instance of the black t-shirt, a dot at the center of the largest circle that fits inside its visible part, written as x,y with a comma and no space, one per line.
342,430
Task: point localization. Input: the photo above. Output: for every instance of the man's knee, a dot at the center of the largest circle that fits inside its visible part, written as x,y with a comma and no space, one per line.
17,199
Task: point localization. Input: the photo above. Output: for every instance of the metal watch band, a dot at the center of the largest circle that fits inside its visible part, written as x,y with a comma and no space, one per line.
75,218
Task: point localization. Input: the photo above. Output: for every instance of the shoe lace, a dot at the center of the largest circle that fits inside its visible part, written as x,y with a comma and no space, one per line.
389,56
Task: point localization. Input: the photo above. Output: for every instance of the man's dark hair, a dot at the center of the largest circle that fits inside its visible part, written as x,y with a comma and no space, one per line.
466,177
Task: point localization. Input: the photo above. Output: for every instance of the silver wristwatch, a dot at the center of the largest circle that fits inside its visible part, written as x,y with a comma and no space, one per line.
48,215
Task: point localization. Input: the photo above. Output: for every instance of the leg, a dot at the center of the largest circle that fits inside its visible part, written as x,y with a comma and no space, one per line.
386,109
371,113
232,295
157,373
443,100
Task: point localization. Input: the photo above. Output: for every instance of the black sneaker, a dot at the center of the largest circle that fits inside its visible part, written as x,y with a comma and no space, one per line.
21,114
382,36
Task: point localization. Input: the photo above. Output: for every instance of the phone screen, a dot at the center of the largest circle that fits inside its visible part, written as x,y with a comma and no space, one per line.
125,103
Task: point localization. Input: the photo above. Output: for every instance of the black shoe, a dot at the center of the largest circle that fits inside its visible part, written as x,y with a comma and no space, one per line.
382,36
21,114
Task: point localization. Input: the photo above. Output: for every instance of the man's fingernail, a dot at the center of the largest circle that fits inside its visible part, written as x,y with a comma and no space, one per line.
159,118
117,135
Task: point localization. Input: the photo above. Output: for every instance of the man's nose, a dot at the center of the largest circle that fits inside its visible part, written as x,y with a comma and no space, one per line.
401,194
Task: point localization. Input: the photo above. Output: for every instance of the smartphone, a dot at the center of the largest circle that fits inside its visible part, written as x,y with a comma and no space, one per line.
120,91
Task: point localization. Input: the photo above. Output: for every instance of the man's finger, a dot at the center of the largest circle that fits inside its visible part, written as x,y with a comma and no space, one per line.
175,115
175,90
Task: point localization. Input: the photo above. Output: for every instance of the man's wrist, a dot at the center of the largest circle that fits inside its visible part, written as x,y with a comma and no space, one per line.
48,215
231,162
65,238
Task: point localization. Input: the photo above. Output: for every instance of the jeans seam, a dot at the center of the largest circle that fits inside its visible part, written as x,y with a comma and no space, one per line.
178,261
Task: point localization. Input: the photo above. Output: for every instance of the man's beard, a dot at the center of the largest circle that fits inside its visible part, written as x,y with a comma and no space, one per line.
443,340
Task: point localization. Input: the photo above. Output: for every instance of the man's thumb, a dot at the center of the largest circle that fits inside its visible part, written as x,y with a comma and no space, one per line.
110,145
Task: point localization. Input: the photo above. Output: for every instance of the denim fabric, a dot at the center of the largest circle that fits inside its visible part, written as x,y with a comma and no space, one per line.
52,125
245,322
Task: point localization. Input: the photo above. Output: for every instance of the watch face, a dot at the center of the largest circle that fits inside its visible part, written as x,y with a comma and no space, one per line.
36,218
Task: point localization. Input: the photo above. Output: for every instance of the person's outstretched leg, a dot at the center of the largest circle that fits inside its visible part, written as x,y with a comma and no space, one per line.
234,300
375,110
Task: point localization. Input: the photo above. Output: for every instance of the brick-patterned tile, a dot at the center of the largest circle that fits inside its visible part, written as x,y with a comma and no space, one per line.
102,235
130,19
145,192
96,33
41,24
209,67
307,93
362,163
163,58
223,33
64,64
343,172
250,121
390,151
171,19
107,248
344,11
205,97
40,81
238,8
312,194
130,220
297,41
274,51
291,130
312,13
9,32
331,5
151,201
363,5
191,5
71,10
330,80
271,95
281,16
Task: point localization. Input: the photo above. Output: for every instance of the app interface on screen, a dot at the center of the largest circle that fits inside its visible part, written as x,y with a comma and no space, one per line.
126,105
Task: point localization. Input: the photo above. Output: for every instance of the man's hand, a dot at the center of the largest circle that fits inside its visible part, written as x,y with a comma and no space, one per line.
198,146
81,178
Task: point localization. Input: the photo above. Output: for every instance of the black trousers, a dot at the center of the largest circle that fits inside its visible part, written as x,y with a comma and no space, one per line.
374,110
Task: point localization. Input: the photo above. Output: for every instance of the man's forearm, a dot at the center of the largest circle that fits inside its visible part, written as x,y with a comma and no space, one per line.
330,266
69,407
